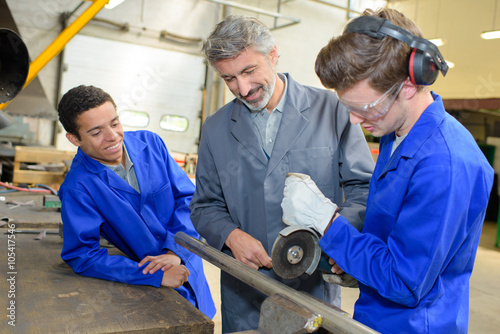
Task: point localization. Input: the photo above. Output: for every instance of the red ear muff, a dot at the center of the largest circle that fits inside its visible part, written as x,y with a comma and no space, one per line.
410,67
421,69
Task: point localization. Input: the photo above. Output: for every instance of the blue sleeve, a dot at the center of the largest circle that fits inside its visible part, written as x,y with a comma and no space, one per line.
435,219
82,250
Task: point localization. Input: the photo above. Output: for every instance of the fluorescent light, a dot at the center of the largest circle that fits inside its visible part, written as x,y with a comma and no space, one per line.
491,34
437,41
113,3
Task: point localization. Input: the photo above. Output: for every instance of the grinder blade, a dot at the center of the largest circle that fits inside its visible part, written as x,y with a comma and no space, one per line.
294,253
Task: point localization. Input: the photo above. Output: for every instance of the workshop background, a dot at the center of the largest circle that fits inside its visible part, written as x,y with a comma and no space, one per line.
146,54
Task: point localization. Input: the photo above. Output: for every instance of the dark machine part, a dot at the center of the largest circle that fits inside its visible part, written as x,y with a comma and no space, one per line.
14,64
31,100
295,252
283,298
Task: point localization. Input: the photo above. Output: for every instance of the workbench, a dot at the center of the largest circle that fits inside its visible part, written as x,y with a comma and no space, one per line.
48,297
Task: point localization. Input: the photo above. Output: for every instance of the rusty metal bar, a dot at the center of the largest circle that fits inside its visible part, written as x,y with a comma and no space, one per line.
334,320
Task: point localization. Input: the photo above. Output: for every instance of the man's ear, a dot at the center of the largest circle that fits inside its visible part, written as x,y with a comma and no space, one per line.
72,138
273,55
409,89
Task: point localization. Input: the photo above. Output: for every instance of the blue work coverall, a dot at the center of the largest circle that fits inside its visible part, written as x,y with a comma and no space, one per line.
425,210
97,202
237,186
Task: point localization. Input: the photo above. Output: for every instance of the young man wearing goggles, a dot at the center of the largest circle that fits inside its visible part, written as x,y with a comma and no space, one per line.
428,193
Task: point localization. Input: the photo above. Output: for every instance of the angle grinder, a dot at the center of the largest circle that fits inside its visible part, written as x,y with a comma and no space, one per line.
296,251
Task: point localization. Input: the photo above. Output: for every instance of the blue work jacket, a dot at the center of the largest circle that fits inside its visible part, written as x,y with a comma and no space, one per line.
97,202
425,210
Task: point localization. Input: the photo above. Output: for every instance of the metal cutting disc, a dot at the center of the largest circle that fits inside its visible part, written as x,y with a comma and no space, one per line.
294,253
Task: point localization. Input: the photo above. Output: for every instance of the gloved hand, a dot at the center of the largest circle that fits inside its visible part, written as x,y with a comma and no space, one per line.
344,280
304,204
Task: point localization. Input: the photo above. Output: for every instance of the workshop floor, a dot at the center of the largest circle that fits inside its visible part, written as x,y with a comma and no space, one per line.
484,287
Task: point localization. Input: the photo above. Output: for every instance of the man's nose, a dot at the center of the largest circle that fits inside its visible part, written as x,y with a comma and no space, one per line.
355,119
244,86
110,134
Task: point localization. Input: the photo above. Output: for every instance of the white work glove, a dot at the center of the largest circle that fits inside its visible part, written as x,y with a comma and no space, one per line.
304,204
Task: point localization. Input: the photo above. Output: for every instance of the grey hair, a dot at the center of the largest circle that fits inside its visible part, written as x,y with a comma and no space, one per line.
235,34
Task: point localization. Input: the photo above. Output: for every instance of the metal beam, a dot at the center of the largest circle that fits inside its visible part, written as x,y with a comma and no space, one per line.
473,104
334,319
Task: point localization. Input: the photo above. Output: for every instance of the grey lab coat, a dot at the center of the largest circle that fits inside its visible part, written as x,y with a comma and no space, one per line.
238,187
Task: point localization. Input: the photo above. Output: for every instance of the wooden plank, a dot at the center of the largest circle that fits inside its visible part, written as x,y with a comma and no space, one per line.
42,155
37,177
51,298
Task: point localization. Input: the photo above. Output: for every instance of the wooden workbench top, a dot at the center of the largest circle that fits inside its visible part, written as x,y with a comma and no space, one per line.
28,211
48,297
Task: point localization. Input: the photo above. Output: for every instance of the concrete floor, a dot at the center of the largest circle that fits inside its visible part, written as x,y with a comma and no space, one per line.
484,287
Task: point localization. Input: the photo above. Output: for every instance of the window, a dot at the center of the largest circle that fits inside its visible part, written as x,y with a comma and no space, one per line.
136,119
174,123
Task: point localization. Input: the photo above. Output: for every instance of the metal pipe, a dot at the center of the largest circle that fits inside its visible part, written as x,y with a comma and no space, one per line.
334,320
60,42
347,9
279,11
256,10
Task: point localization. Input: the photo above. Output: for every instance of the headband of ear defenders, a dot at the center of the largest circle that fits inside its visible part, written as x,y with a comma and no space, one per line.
378,27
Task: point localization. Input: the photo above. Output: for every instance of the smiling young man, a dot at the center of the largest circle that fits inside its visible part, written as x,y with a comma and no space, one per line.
125,187
429,191
273,126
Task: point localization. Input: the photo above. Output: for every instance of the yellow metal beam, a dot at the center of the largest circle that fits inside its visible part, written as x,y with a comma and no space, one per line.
60,42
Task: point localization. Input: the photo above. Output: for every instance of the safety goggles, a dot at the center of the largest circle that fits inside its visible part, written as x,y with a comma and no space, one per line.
375,109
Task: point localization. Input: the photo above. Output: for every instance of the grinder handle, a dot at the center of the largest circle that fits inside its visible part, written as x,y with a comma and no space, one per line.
324,265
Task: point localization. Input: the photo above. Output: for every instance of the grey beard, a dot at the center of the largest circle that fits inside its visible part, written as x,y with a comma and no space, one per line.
266,97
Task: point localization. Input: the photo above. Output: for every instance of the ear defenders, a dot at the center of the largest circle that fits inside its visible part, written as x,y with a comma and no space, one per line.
425,60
